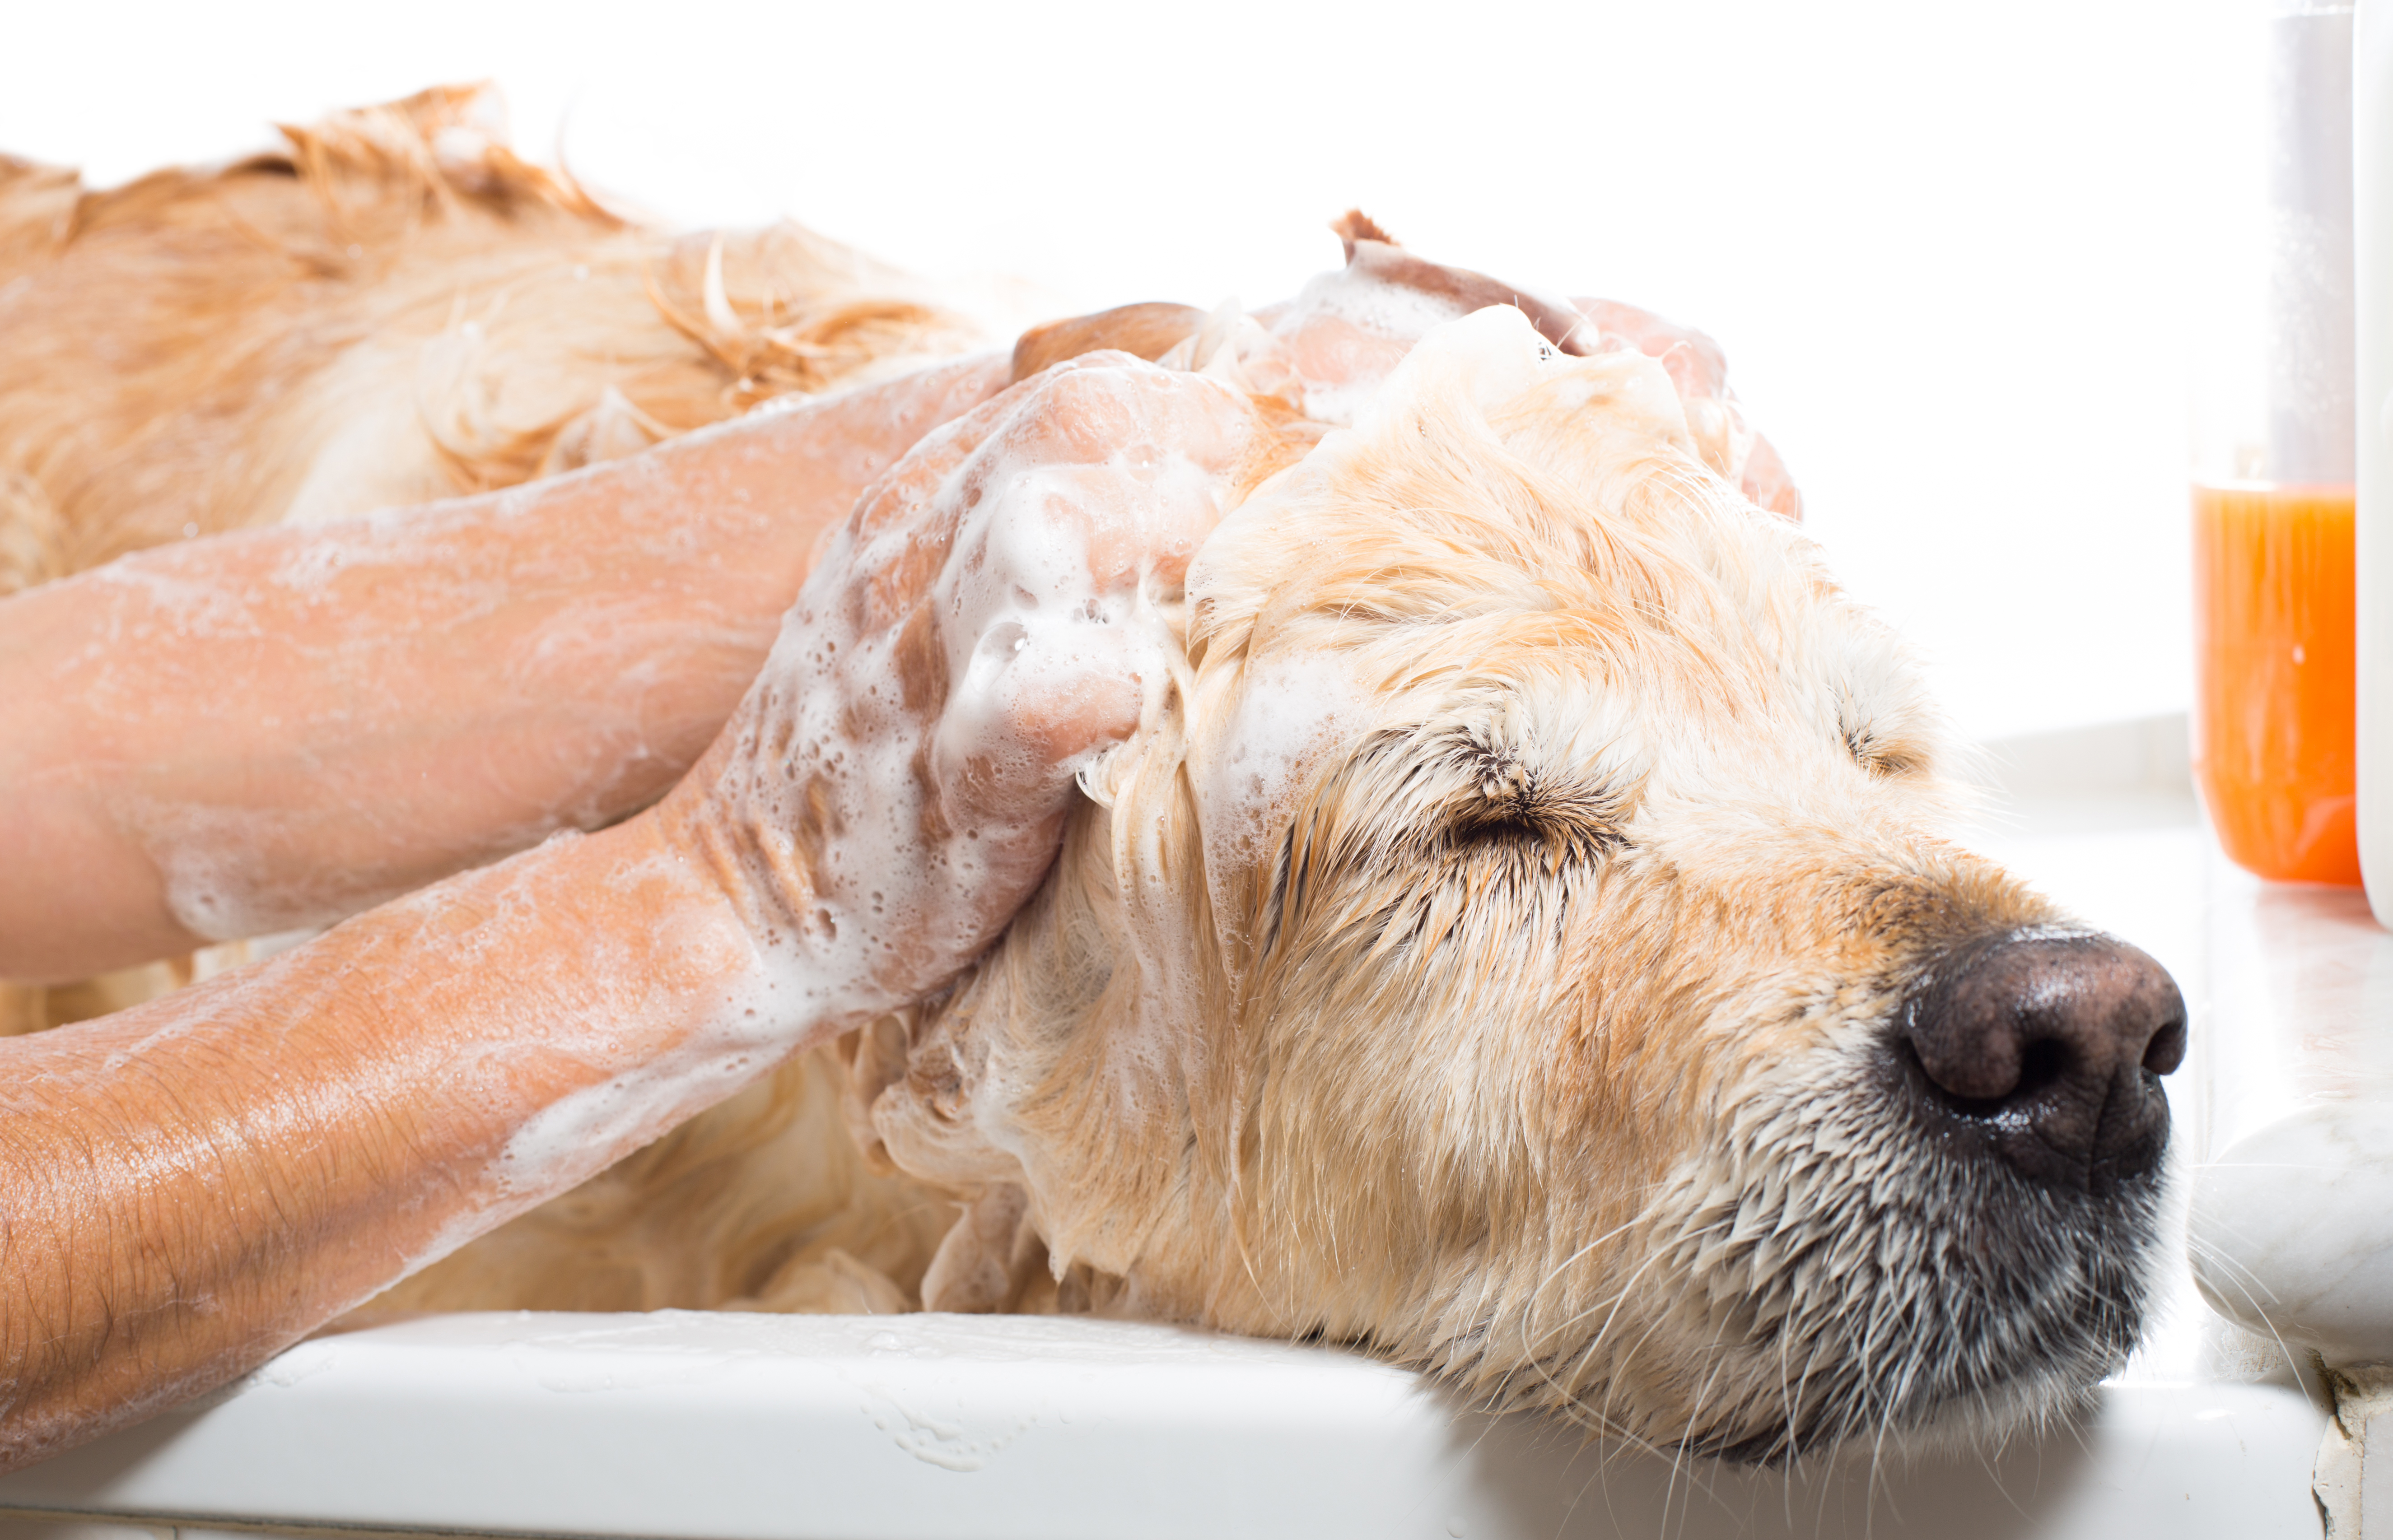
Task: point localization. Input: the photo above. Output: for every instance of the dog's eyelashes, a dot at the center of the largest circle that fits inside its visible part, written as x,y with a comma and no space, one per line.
1507,799
1450,801
1414,794
1883,724
1502,778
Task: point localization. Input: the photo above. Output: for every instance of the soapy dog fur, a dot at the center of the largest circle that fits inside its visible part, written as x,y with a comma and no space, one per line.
1476,956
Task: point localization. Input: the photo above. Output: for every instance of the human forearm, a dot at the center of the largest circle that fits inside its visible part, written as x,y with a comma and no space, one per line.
190,1186
278,727
186,1186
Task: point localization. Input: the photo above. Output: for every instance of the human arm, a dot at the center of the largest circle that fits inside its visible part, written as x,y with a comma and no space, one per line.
278,727
188,1186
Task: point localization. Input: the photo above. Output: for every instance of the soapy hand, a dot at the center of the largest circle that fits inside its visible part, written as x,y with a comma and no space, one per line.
987,621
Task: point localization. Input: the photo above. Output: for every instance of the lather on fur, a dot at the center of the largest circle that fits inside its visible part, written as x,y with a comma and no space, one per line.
1503,948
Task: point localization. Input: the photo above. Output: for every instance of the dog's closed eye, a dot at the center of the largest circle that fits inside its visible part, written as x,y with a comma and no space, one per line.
1876,709
1504,798
1432,791
1465,802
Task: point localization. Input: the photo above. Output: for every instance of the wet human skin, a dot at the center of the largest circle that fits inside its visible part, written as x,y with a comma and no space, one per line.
278,727
190,1185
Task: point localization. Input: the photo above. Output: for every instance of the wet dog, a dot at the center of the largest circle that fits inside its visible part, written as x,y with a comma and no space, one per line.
1521,942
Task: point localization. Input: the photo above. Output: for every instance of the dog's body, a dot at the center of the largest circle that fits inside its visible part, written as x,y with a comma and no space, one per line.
1493,950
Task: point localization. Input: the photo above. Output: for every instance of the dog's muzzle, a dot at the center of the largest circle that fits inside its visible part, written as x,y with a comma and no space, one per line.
2043,1048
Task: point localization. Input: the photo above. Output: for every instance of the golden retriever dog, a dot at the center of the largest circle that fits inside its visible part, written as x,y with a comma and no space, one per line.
1522,942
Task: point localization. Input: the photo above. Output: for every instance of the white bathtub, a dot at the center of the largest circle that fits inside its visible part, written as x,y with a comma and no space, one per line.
947,1427
950,1428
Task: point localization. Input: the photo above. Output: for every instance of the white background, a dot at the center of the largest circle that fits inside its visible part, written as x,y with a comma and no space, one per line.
1960,255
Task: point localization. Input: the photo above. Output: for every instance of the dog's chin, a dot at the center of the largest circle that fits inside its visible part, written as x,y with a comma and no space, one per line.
1844,1272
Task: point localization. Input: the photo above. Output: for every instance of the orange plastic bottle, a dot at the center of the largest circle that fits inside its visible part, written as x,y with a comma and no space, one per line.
2273,727
2276,433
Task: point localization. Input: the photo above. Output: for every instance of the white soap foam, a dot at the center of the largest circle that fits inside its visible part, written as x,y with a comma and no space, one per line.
1342,336
1067,512
1296,711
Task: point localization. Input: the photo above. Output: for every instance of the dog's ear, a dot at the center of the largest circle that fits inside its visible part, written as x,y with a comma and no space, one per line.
1146,330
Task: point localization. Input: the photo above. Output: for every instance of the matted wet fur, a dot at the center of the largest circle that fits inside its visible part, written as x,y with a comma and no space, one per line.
1526,1019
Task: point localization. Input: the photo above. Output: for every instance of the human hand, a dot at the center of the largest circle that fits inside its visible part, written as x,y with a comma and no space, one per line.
986,622
1699,371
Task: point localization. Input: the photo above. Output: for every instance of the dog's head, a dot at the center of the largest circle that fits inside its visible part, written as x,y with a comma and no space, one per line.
1521,943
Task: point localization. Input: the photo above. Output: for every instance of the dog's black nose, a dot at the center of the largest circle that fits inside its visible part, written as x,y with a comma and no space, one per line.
2048,1045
